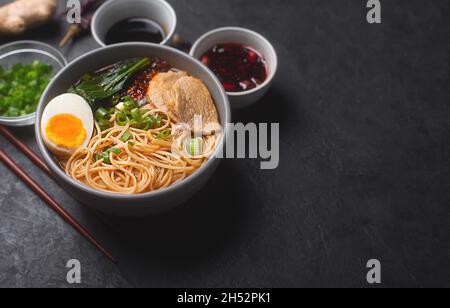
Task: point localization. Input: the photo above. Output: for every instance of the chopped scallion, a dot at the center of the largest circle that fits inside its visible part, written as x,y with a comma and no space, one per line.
164,134
104,124
158,121
129,103
121,119
115,150
136,115
126,136
194,146
101,114
148,122
106,158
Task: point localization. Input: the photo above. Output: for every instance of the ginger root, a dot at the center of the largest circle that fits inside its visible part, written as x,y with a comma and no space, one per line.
22,15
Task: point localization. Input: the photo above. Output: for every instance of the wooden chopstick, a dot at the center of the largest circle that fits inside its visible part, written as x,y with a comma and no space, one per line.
25,149
42,193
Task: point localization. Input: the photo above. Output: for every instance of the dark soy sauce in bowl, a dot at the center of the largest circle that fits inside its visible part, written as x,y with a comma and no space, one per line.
240,68
135,29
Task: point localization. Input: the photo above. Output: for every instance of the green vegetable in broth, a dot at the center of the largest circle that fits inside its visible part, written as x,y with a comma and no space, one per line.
127,111
109,81
126,136
164,134
21,87
105,155
194,146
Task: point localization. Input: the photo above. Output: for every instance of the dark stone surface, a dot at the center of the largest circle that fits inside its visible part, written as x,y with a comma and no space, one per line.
364,173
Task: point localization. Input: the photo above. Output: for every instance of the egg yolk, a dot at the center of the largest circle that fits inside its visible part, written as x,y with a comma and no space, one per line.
66,130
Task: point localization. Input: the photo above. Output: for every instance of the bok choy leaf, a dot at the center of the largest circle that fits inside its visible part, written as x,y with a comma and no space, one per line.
109,81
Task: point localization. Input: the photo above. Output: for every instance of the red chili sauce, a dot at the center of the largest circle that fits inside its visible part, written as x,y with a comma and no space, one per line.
239,68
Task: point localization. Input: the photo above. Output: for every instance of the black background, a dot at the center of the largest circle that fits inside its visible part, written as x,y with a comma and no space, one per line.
364,167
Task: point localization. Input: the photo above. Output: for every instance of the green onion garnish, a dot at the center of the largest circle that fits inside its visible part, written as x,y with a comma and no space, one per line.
21,87
106,158
158,122
104,124
126,136
134,124
194,146
115,150
121,119
129,103
105,155
136,115
101,114
164,134
148,122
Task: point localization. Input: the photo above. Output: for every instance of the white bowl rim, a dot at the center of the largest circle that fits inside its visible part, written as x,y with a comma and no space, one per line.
118,196
102,7
272,74
53,49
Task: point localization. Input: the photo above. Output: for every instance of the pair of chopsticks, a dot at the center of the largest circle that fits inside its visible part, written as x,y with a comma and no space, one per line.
5,159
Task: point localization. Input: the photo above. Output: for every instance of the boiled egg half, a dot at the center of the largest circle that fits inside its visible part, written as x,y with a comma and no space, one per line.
67,124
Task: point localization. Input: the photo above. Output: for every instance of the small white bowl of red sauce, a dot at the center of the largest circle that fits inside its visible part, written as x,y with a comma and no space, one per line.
244,61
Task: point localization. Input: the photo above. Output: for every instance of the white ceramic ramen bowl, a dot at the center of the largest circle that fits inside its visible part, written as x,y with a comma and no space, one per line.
248,38
147,203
